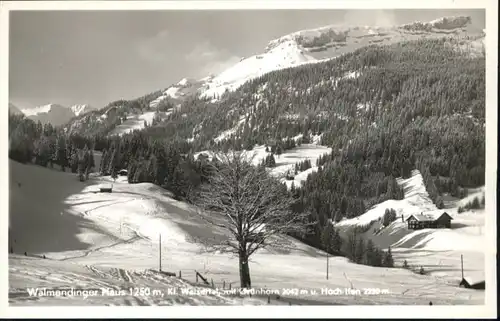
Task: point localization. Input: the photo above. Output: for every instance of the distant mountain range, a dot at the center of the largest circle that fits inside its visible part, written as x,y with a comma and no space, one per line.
54,114
300,48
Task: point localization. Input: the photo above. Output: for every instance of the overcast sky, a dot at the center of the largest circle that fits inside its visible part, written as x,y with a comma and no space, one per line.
95,57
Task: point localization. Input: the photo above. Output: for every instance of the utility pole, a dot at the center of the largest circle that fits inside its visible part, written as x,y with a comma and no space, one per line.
160,251
10,242
462,262
327,265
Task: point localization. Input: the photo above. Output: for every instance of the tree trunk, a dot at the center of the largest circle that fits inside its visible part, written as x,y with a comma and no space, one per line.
244,270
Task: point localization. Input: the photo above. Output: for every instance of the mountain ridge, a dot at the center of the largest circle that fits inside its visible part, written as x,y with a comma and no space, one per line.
302,47
56,114
319,44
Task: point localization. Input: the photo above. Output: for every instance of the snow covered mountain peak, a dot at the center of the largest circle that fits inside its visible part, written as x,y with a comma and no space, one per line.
304,38
55,114
81,109
338,36
41,109
315,45
280,54
186,82
443,23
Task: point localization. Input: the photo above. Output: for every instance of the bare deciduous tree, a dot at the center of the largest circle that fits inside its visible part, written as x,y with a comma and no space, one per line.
249,203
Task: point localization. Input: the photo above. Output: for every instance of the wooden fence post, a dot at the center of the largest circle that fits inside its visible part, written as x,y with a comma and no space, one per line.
196,277
180,274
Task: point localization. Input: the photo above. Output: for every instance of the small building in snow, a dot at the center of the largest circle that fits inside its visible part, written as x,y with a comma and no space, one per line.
106,188
420,221
123,172
473,283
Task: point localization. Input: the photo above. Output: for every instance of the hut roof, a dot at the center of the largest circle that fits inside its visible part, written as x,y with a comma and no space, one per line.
429,216
474,278
419,217
444,214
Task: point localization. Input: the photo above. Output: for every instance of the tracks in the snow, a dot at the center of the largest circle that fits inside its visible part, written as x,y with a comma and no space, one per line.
130,240
88,252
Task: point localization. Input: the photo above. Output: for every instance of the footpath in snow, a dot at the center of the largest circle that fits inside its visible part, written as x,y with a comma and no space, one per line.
75,226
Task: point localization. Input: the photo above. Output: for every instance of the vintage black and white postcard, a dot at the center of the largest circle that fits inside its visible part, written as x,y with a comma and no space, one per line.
272,154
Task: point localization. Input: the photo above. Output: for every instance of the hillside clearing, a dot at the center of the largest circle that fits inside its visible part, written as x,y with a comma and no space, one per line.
118,230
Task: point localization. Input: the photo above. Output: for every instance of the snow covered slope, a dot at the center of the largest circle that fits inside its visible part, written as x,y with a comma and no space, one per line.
95,239
134,122
282,55
438,251
416,200
315,45
332,41
81,109
184,88
285,163
91,285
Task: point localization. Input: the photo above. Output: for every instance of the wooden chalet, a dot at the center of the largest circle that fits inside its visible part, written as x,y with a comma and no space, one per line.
420,221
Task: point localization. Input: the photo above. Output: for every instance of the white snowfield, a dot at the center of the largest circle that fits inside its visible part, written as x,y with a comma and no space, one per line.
284,55
31,279
134,122
184,88
80,109
416,200
97,240
438,251
154,103
287,160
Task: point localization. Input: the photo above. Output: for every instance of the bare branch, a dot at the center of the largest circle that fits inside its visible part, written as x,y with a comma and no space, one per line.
218,247
245,200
